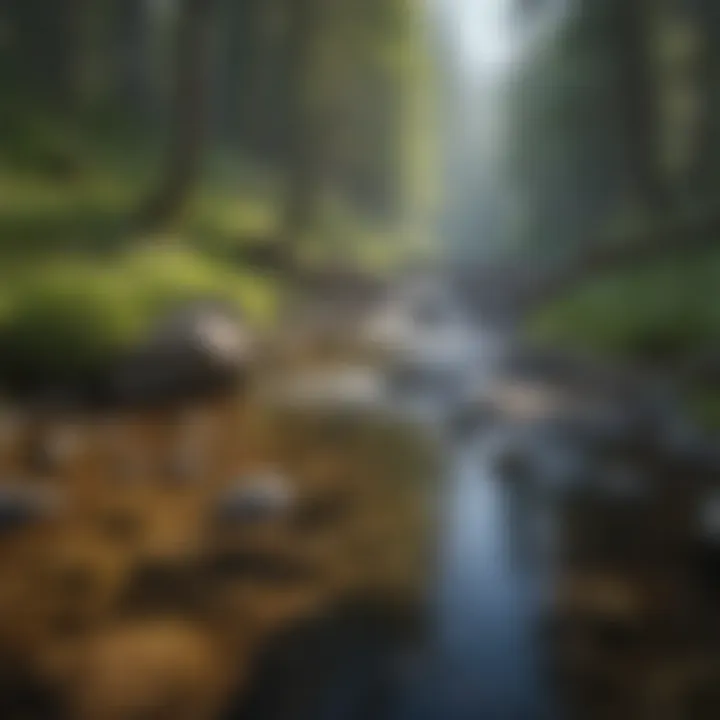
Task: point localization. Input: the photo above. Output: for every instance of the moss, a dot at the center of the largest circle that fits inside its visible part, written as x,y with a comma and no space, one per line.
77,284
66,317
660,312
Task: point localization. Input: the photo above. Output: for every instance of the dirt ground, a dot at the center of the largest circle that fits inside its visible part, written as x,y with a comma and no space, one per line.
132,600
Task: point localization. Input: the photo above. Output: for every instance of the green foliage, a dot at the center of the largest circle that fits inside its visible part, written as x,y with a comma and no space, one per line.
77,284
30,141
704,405
73,316
69,316
662,312
161,278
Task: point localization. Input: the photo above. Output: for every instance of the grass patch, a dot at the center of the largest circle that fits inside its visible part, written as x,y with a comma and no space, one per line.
660,314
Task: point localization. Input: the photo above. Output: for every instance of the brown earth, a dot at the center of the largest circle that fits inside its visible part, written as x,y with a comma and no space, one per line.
132,602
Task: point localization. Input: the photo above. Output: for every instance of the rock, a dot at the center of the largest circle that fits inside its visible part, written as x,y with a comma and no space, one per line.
195,351
424,335
261,498
54,448
546,454
469,418
21,507
514,464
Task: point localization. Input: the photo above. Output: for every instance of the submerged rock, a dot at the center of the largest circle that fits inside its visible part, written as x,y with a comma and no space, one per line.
260,498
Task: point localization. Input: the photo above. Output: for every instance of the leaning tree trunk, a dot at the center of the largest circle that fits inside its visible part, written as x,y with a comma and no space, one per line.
190,108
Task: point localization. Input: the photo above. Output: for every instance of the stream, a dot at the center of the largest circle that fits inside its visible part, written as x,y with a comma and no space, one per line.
479,655
484,661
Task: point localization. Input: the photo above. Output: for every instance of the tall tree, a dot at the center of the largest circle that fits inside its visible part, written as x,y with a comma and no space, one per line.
303,170
638,98
44,49
705,171
190,114
132,55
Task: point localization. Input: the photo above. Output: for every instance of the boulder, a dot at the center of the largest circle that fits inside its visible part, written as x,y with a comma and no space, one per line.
195,351
260,498
22,506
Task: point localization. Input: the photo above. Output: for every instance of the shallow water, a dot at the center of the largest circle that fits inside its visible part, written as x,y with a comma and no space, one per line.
483,661
478,657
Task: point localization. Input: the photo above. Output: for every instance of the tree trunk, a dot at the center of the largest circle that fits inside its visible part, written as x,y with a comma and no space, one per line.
41,48
236,63
704,173
190,110
132,58
638,100
304,164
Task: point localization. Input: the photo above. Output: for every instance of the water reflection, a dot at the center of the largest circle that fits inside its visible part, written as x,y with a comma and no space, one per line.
487,601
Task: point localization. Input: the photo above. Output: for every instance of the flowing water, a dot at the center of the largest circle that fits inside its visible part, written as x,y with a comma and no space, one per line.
481,659
484,662
478,655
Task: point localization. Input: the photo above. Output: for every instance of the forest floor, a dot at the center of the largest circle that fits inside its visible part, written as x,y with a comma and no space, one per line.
134,596
79,283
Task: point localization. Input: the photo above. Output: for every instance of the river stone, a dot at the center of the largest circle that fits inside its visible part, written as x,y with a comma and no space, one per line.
23,506
259,498
193,351
424,334
54,448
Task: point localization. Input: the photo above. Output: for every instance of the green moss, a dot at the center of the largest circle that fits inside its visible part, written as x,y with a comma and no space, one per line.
65,317
77,284
704,406
662,311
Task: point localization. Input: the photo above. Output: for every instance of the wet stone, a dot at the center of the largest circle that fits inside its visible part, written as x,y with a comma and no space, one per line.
259,498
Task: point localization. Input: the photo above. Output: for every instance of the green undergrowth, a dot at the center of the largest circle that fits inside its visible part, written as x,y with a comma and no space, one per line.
661,312
78,283
661,315
69,315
